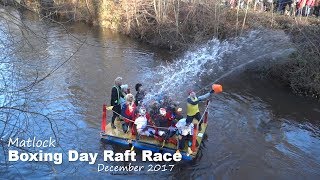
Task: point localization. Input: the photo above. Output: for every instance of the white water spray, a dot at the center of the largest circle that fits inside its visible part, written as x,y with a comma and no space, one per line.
214,60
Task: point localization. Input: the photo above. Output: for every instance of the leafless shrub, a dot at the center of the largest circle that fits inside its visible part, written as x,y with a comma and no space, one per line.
22,112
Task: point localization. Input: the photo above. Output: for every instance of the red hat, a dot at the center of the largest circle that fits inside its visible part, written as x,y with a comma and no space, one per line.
190,91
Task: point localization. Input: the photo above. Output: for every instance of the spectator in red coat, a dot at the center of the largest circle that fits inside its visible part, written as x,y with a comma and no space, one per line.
300,5
309,5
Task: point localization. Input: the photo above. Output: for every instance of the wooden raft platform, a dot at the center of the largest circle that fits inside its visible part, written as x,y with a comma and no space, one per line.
117,136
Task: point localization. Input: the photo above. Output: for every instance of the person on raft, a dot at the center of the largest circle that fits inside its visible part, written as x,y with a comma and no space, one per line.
128,112
193,111
162,119
166,112
141,123
184,132
116,94
168,118
173,113
140,94
124,90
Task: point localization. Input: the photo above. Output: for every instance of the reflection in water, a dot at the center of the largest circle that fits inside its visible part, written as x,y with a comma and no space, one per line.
256,129
304,137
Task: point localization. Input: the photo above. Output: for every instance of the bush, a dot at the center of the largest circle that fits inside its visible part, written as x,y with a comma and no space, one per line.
302,70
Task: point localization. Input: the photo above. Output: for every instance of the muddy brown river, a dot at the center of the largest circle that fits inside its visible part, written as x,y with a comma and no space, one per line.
55,78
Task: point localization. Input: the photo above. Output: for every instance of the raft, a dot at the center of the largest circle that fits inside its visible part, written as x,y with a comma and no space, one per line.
128,140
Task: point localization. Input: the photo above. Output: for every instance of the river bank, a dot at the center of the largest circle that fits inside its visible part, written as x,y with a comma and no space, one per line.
256,130
179,25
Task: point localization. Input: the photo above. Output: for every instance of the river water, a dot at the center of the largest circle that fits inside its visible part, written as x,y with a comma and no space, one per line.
257,128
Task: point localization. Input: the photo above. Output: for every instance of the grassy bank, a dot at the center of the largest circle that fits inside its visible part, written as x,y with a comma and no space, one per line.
176,25
171,24
301,72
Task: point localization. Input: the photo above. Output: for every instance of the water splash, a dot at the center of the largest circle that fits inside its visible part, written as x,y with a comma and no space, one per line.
182,73
214,60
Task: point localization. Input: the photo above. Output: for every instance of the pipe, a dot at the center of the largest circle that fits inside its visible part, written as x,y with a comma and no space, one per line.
206,114
194,137
104,119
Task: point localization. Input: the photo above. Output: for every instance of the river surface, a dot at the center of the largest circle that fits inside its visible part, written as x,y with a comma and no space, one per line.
257,129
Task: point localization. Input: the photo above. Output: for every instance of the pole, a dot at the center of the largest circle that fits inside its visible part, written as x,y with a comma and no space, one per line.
206,113
104,119
194,137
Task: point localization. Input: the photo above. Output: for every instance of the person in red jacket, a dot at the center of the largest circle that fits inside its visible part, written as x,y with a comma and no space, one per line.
128,111
300,5
309,5
163,118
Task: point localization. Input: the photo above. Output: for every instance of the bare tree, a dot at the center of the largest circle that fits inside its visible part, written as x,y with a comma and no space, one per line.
23,113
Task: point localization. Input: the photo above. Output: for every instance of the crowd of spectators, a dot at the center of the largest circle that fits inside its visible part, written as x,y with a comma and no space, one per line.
287,7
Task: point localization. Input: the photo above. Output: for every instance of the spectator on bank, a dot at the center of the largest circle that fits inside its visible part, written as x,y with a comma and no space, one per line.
258,3
293,8
241,5
309,6
283,4
300,5
316,11
268,5
232,4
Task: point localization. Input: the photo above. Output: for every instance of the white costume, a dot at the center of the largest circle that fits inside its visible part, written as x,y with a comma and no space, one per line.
183,129
142,128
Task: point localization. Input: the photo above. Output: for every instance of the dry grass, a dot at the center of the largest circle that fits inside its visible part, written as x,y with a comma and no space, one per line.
175,25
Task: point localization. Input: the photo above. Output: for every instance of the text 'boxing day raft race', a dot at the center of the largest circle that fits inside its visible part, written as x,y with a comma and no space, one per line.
176,136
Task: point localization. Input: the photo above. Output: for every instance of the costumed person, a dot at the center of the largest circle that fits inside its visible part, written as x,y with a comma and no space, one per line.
140,94
116,94
141,123
162,119
170,132
153,109
124,90
178,114
301,6
173,113
128,112
166,101
184,132
193,111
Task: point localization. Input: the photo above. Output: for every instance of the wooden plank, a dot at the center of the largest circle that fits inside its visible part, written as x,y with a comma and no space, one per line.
118,132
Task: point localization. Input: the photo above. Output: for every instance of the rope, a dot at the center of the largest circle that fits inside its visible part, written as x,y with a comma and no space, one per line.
204,113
